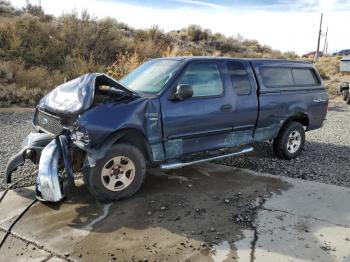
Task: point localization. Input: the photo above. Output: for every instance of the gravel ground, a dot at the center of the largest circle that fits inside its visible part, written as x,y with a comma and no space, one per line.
326,157
15,124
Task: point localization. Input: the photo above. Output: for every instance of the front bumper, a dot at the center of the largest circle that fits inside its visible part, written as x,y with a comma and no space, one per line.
46,151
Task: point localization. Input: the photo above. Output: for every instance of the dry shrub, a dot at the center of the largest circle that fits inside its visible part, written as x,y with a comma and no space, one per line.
25,86
124,64
11,94
328,67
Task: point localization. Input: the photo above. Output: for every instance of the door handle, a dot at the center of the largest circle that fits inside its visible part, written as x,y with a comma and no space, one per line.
226,108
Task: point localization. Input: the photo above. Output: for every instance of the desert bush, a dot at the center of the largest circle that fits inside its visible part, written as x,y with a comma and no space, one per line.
11,94
124,63
328,67
38,51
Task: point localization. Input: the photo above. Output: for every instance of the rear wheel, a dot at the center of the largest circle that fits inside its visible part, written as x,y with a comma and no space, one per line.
290,141
345,94
118,175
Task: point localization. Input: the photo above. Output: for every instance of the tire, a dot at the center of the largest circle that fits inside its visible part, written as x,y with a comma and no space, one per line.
118,175
290,141
345,94
348,98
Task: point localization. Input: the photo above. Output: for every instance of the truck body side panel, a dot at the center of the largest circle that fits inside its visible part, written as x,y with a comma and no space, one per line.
277,105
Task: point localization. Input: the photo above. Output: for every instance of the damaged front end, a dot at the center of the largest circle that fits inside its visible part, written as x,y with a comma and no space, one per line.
55,119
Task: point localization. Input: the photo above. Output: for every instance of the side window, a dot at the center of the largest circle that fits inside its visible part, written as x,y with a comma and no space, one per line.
239,78
304,76
204,78
277,77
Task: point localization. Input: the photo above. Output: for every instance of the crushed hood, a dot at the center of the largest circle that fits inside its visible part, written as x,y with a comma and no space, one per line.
77,95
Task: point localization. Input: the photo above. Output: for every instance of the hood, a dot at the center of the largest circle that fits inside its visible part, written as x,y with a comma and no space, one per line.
77,95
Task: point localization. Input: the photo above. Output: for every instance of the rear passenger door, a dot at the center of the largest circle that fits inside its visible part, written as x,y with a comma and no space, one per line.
243,88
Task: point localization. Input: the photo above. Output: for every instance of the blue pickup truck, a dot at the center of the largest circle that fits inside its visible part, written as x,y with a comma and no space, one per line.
168,113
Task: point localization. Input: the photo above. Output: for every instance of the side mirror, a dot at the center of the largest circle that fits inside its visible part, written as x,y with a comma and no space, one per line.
182,92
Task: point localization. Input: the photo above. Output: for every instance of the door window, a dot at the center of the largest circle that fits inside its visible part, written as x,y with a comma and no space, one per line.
239,78
204,78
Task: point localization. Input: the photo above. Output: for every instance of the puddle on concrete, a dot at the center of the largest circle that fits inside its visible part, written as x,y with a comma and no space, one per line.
173,175
203,171
104,214
222,251
244,245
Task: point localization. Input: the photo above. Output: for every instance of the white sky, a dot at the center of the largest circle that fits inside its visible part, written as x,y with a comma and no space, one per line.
283,30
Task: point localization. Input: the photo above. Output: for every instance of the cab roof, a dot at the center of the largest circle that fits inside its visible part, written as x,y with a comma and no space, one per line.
259,60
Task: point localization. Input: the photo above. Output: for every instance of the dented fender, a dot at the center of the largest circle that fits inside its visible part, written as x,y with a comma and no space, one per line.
103,125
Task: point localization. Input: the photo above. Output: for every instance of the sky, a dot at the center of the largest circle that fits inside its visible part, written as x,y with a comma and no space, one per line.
286,25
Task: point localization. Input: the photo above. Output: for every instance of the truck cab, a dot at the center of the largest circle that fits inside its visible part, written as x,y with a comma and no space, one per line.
169,113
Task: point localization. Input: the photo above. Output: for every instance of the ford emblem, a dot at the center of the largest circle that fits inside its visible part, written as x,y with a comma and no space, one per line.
44,121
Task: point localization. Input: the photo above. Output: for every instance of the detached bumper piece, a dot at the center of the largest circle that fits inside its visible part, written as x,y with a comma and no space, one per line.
49,183
32,146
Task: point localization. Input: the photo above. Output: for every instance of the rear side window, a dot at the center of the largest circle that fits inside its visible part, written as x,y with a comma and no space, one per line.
277,77
239,78
304,76
204,78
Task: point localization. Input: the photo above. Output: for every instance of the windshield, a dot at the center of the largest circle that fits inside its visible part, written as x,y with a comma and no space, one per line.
151,76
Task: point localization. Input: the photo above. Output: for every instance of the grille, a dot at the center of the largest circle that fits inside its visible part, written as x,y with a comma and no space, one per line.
48,123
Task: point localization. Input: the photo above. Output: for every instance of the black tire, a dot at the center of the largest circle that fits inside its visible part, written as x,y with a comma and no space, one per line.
281,144
93,176
345,94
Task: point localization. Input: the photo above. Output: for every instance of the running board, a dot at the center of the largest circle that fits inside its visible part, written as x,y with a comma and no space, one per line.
182,164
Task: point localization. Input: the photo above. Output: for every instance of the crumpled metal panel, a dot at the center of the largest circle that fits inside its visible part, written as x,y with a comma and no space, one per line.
77,95
49,185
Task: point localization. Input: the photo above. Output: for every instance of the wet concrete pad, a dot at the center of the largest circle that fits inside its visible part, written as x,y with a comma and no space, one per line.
19,250
313,199
186,214
286,237
13,204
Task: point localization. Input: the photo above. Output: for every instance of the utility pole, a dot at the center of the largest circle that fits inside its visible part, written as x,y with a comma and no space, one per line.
325,42
319,39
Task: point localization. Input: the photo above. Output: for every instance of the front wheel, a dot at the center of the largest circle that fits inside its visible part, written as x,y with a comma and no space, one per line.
118,175
290,141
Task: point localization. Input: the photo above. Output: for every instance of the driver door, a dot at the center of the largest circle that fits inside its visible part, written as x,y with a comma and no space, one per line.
202,122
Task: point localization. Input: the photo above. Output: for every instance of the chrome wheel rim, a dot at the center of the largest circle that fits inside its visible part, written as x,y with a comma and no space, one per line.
294,141
118,173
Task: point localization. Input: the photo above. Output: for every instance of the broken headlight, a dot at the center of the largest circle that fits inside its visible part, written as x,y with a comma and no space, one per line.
80,138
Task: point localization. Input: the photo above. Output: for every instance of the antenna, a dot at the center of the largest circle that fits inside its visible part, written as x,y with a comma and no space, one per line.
319,39
325,42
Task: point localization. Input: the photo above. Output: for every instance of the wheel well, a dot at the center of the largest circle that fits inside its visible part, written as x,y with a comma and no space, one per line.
300,118
137,139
